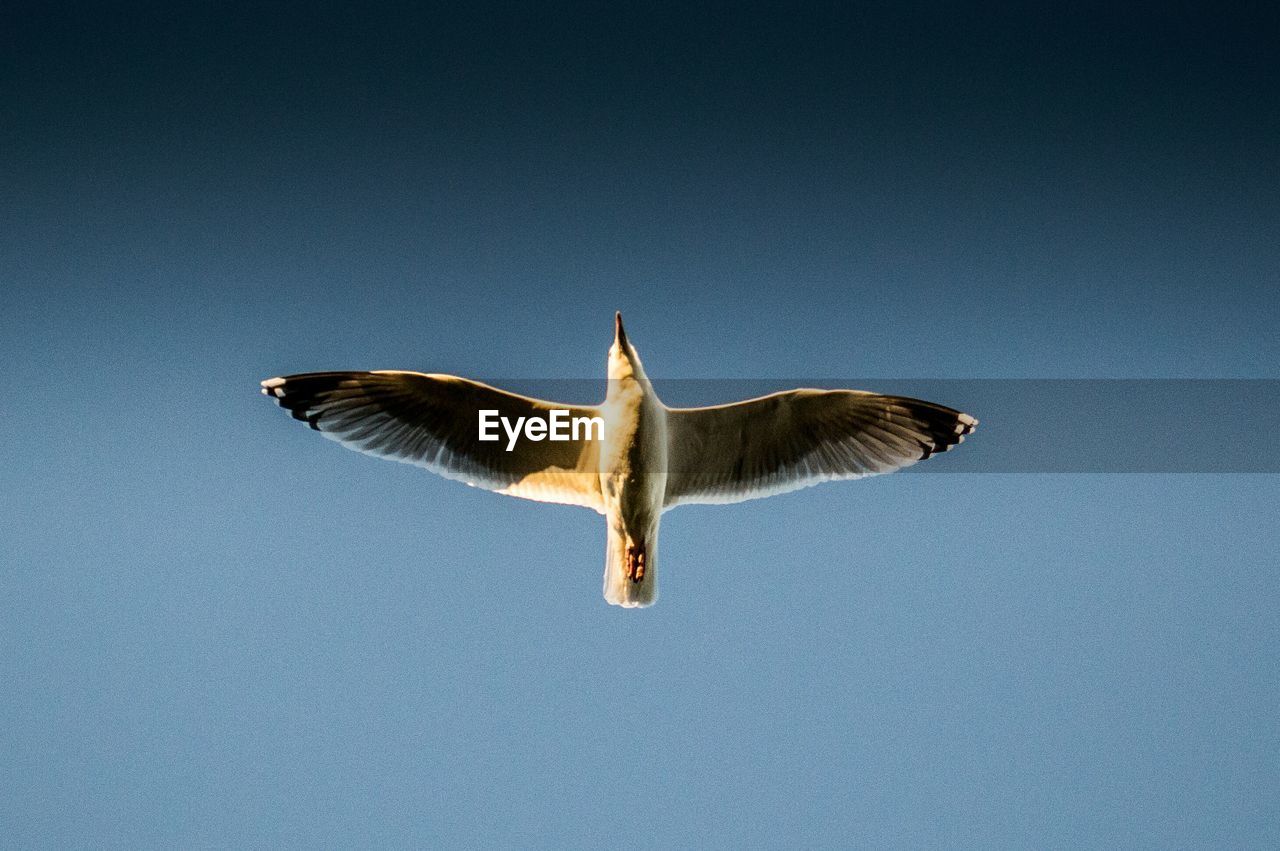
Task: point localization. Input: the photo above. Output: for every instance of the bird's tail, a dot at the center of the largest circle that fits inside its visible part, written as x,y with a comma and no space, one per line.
631,569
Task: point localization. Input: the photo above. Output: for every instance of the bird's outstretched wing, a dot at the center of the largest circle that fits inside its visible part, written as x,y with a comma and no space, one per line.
787,441
433,421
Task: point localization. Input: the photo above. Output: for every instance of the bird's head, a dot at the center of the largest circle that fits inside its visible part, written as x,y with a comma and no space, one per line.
623,361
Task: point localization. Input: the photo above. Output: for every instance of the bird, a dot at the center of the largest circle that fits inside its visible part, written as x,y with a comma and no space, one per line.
633,458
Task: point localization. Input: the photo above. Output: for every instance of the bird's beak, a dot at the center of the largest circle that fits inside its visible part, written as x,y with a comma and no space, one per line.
619,335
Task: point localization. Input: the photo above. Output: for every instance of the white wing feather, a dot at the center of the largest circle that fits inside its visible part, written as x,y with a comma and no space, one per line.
432,421
787,441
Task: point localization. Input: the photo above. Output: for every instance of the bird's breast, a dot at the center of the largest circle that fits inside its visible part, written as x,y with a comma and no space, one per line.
633,459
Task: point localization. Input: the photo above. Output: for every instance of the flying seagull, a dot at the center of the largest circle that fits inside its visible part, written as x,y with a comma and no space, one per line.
630,458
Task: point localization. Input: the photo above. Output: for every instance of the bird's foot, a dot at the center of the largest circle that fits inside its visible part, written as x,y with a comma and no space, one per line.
635,564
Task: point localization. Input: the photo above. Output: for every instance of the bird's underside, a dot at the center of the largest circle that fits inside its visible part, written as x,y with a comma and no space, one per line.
673,456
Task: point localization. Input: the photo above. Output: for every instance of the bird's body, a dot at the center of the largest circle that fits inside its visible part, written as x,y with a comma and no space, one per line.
648,458
633,478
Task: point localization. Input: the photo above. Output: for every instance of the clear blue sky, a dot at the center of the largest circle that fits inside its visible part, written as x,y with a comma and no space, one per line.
218,629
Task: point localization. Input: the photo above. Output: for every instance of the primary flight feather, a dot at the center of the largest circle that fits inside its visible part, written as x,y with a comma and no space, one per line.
646,459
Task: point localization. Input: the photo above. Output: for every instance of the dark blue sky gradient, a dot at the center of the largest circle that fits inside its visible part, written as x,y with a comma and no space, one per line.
218,629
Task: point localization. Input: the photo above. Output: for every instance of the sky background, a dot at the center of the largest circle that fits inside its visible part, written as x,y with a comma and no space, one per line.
219,630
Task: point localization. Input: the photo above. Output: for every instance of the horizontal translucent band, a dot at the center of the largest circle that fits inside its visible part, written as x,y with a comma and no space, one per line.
1038,425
